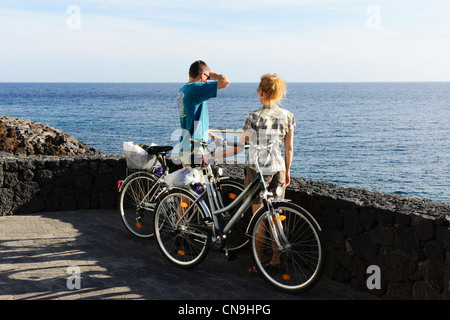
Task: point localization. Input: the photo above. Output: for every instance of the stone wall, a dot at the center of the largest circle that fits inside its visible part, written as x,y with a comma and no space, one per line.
410,248
50,183
407,238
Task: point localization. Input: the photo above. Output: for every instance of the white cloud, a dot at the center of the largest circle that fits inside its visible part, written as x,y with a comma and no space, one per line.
142,44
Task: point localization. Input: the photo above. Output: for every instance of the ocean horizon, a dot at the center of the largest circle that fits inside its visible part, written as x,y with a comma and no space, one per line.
390,137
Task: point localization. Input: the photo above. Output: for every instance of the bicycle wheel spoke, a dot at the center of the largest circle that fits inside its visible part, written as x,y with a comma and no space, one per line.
236,237
178,233
135,207
299,262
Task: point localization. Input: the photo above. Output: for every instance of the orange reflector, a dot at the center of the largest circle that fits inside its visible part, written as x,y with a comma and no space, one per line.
139,225
281,218
181,252
286,277
232,196
184,204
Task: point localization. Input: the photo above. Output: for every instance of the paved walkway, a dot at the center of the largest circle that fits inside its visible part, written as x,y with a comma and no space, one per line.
37,252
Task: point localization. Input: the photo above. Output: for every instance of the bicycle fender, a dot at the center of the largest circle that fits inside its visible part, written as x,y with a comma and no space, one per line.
275,204
201,202
252,221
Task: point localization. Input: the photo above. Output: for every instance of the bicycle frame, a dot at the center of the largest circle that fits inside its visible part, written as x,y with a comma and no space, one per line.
249,194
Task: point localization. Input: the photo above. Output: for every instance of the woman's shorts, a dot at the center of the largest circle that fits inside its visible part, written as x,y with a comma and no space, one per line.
271,181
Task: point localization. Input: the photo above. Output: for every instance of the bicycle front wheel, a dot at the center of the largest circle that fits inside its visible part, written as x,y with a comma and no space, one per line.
299,262
180,229
137,204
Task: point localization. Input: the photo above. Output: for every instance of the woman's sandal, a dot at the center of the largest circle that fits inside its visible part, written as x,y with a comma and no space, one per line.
268,266
253,271
273,266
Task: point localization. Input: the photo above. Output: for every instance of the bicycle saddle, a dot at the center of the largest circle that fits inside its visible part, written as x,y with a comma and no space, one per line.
158,149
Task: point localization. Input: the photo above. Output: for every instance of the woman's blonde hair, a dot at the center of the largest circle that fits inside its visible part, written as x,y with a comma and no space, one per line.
273,86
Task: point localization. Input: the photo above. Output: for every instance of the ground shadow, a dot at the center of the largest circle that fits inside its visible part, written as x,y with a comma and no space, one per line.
37,250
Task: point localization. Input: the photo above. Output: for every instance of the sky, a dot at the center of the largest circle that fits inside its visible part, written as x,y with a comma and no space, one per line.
157,40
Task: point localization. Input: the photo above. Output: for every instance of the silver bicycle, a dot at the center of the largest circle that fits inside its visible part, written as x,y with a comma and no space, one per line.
140,191
187,226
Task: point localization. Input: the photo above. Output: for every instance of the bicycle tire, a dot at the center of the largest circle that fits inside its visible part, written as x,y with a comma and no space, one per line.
236,237
136,215
303,263
185,244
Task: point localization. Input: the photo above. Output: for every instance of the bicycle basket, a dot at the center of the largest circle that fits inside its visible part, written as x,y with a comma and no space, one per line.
138,158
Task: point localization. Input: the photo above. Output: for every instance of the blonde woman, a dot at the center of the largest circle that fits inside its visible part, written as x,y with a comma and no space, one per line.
269,124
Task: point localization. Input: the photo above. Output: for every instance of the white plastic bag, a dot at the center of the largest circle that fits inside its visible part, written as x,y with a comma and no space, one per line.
137,157
184,177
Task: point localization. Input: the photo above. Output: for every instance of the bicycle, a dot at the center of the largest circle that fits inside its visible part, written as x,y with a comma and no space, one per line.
221,192
186,229
141,191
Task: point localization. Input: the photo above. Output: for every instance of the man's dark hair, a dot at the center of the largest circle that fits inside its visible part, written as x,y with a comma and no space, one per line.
196,68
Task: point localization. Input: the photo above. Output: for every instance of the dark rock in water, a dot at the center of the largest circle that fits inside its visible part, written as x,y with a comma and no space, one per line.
24,137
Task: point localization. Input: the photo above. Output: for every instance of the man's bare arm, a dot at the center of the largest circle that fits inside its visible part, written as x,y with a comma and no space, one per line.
222,81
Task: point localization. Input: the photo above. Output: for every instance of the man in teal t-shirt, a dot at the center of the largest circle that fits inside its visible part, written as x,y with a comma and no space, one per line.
193,110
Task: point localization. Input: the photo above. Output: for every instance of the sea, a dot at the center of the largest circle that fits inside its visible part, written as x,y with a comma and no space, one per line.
387,137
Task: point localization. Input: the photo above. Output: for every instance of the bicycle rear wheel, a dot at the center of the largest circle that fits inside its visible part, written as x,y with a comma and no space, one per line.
137,204
180,229
303,253
236,238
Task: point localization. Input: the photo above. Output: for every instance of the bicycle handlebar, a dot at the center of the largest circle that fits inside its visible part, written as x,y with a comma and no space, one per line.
206,144
236,144
259,147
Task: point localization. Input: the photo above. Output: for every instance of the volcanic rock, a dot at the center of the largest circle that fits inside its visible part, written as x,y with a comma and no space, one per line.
22,137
